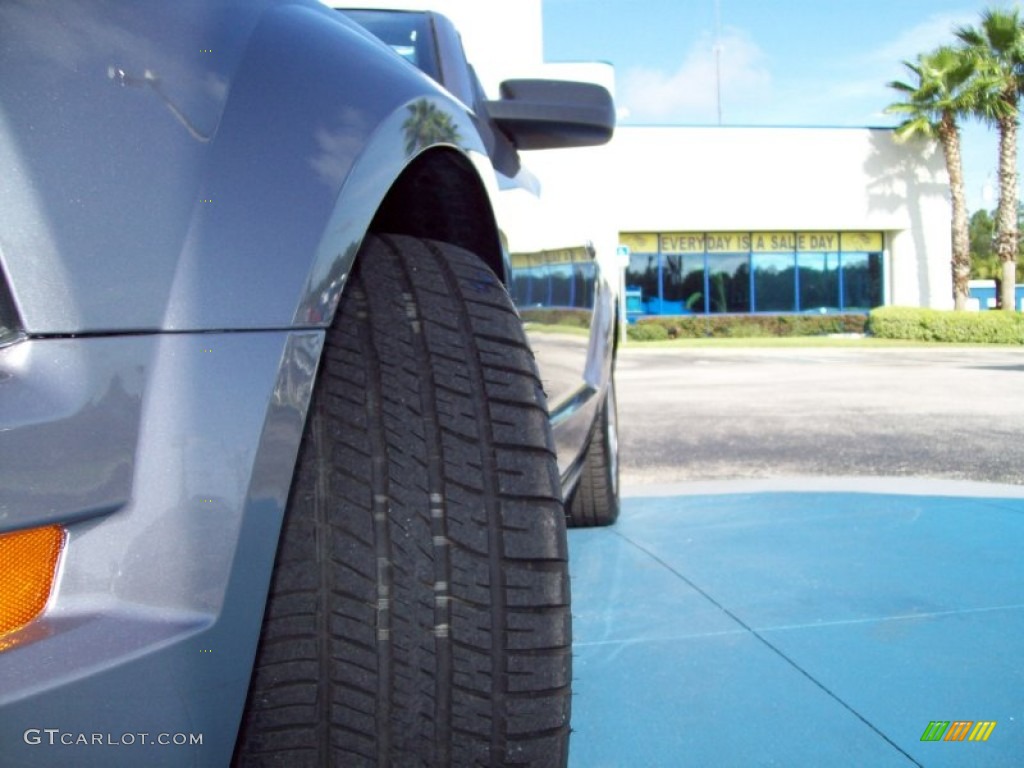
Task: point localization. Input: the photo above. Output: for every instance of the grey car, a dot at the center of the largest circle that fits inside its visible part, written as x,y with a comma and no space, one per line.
280,480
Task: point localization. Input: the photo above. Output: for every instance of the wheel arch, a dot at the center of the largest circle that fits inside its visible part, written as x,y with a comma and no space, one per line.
440,196
439,189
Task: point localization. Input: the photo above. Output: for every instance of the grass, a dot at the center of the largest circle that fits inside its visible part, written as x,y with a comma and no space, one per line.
775,342
568,330
760,342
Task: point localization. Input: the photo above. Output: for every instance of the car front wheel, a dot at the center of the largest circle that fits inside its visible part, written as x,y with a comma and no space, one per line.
419,607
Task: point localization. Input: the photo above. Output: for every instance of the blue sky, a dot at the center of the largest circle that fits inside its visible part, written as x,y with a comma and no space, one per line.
782,62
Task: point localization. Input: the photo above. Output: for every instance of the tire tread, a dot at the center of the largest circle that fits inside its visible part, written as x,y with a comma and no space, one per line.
427,478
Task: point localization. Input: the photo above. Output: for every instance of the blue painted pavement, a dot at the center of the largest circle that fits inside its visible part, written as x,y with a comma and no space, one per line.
799,628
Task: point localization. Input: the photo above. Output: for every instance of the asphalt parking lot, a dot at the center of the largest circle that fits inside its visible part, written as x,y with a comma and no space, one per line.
724,413
817,563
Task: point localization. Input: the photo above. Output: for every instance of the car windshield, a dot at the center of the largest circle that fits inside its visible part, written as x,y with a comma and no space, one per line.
408,33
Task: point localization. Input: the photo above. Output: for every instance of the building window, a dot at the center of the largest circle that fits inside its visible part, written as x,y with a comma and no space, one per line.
560,276
774,284
584,277
818,277
862,280
642,275
739,272
561,279
728,282
682,279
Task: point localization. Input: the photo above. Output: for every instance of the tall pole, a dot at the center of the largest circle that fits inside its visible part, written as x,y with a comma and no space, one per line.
718,59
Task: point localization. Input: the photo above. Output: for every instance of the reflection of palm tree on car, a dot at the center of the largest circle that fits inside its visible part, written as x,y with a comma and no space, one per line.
427,125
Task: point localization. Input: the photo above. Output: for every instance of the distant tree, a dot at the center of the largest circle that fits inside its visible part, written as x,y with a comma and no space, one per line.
943,89
996,47
984,262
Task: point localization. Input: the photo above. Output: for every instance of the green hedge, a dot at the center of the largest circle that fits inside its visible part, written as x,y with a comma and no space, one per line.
574,318
989,327
743,326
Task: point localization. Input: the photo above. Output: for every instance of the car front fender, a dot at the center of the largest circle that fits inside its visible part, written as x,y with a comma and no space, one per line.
174,167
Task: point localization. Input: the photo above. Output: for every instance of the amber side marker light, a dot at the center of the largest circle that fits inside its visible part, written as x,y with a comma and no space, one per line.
28,566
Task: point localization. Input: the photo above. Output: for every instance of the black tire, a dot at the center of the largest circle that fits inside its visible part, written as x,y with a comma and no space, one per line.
419,608
595,500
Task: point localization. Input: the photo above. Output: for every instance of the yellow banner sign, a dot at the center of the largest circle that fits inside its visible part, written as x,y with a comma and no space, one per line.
756,242
860,241
558,257
773,242
550,258
640,242
682,242
727,242
817,241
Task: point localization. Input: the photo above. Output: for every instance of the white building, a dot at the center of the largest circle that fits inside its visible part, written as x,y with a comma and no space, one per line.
781,219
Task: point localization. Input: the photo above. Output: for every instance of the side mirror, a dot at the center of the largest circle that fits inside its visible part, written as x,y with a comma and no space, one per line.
551,114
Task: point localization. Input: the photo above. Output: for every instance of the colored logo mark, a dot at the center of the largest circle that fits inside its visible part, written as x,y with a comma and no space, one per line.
958,730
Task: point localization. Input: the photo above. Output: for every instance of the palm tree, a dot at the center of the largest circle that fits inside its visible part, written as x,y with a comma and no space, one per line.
943,89
997,47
